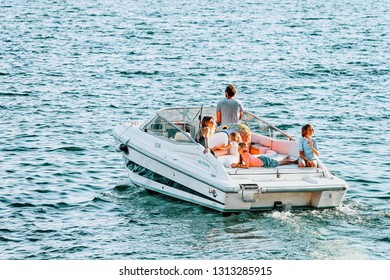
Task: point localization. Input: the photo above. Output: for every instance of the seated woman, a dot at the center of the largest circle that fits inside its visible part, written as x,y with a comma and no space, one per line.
206,133
247,160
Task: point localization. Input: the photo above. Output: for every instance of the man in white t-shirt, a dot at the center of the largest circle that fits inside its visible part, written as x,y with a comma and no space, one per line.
229,110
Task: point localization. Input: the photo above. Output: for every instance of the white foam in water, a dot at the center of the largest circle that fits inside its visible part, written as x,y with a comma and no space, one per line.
346,209
338,250
281,215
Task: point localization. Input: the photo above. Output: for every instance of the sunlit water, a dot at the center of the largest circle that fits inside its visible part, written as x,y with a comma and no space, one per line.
71,70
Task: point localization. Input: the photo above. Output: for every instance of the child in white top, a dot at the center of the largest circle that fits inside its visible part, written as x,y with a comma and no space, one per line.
206,133
231,148
234,139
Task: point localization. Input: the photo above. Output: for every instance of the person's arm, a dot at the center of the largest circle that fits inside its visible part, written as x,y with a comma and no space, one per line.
219,119
313,147
246,165
244,161
241,111
240,165
222,147
237,165
205,133
306,160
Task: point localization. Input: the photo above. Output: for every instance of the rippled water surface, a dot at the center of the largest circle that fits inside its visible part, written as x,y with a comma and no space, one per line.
71,70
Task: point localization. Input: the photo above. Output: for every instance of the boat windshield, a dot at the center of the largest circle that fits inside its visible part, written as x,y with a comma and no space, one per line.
186,114
262,127
178,124
183,123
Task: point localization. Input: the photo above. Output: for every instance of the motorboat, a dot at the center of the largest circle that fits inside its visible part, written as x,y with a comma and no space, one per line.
162,155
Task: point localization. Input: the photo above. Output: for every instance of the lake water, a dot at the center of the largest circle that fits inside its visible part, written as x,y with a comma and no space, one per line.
71,70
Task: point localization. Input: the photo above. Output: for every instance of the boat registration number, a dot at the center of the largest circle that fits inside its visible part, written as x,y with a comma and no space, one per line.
204,163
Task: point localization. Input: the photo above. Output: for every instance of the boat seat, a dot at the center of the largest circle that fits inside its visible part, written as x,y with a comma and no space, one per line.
258,149
283,170
219,139
181,136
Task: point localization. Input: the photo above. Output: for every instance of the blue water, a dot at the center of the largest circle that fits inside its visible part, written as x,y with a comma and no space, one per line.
71,70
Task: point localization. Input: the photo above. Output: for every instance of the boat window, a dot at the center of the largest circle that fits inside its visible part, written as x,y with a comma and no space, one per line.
260,127
183,124
187,115
162,128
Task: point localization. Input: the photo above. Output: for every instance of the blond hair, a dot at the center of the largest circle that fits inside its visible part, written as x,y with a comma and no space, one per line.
235,136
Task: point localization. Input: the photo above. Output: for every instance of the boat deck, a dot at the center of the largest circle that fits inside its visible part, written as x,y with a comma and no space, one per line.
282,178
227,160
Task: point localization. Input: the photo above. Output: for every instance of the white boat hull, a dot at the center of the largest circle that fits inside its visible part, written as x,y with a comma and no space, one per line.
182,171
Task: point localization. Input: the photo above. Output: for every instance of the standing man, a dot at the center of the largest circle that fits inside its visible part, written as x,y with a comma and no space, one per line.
229,110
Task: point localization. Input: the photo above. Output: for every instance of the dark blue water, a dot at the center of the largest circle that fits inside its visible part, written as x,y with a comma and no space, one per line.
71,70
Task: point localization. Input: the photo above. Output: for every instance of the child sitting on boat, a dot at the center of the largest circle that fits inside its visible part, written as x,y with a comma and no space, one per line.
247,160
231,148
307,147
242,129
